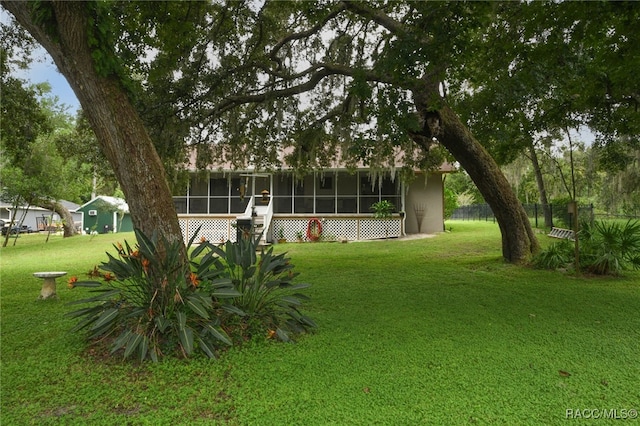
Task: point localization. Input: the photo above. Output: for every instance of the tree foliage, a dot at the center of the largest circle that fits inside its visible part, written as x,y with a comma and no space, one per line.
28,170
81,38
360,79
355,80
545,67
42,147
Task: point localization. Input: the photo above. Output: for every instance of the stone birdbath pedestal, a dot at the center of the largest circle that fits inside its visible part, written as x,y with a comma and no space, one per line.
49,284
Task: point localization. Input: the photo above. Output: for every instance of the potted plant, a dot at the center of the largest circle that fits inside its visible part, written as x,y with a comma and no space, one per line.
383,210
281,238
300,236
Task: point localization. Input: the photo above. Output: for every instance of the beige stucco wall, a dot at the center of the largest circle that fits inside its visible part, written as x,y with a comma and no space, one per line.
425,194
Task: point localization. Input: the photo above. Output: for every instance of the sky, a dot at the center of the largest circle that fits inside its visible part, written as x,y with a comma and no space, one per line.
44,70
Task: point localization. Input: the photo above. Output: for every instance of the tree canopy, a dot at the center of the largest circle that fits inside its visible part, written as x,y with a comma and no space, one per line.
246,79
549,66
46,154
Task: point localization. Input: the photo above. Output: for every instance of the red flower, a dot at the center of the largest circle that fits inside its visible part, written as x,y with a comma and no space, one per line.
72,282
108,277
145,265
134,253
194,279
94,273
203,239
271,334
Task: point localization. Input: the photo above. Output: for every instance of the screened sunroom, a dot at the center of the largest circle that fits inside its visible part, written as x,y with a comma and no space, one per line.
283,206
337,192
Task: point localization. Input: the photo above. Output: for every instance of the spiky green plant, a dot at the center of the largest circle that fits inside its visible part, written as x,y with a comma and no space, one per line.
610,247
605,248
557,255
151,303
267,298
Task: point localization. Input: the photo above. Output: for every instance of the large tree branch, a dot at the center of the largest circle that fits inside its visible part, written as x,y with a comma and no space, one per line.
375,15
379,17
316,73
273,54
283,84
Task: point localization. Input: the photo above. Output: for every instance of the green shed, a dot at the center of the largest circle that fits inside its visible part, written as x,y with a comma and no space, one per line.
106,214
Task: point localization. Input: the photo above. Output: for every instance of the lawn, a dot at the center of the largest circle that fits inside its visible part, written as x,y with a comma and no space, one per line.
429,331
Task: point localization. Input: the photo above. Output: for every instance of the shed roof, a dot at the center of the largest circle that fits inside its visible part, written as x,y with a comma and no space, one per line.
116,202
69,205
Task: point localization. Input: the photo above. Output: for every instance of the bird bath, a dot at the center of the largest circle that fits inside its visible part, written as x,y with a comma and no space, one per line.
49,284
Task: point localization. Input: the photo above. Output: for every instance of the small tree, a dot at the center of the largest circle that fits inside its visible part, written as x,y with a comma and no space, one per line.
450,203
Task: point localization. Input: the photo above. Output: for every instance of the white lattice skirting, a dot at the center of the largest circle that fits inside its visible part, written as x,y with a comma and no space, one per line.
350,228
212,229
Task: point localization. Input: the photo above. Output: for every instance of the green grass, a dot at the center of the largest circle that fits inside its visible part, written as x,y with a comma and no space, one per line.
432,331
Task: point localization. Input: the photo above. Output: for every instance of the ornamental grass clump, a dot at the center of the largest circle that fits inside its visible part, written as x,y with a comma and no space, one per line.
149,303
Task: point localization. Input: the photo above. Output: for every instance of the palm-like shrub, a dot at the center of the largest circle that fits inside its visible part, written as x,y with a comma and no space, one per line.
150,304
556,256
606,248
609,248
267,299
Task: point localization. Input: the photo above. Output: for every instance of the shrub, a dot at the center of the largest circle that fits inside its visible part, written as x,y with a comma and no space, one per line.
450,203
151,304
382,209
557,255
609,248
606,248
267,300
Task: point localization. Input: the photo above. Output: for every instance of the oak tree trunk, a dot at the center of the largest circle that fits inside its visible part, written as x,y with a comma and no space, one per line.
119,130
68,226
518,239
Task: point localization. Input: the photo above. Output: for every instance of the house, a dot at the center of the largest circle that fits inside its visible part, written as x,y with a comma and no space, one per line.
335,201
106,214
37,218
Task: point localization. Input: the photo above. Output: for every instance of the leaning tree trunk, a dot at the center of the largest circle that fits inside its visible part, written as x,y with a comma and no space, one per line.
117,125
68,227
544,200
518,239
